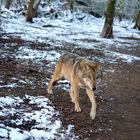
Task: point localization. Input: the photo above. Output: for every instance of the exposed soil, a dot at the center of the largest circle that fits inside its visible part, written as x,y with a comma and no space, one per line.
118,95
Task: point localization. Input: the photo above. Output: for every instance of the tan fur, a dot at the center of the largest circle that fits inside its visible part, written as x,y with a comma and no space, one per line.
81,72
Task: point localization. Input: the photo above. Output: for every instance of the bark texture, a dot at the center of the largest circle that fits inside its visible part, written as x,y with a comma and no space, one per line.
137,23
29,16
7,3
32,9
71,4
107,30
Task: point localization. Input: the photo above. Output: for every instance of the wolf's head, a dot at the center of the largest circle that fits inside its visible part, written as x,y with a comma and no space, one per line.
90,74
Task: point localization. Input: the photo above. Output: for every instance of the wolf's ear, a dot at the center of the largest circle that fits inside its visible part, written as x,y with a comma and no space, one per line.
94,65
86,67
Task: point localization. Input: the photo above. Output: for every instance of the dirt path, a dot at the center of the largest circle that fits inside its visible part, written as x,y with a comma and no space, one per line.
118,96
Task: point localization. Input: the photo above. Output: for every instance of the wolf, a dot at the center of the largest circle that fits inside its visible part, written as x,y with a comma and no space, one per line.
81,73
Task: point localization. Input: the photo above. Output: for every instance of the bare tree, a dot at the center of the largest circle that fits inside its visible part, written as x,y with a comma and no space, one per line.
18,3
35,6
32,9
71,4
8,3
137,23
107,30
29,16
49,1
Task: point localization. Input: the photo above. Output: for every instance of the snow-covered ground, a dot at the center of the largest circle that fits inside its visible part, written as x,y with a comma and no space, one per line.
79,32
84,33
35,55
35,112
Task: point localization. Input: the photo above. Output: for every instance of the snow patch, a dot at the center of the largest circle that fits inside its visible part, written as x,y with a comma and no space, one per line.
84,33
12,85
124,57
33,113
36,55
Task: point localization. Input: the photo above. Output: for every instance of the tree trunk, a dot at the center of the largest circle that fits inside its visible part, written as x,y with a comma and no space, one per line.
71,4
18,3
107,30
29,16
7,3
49,1
35,7
32,9
137,23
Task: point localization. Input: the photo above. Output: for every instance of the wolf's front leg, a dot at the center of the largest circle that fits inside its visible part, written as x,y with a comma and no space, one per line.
93,102
50,87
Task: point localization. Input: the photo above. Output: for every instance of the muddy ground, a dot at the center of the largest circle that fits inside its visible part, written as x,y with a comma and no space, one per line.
118,95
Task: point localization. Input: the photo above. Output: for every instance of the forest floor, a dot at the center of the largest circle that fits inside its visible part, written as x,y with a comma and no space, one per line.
117,96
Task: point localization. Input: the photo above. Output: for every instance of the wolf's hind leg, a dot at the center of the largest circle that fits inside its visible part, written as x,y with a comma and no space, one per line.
56,77
76,98
72,94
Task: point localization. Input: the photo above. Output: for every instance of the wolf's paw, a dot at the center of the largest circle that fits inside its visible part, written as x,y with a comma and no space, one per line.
50,91
92,115
72,100
77,109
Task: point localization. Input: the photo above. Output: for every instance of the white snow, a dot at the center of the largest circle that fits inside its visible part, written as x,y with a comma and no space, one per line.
77,32
125,57
43,119
11,85
4,101
44,122
15,134
36,55
3,132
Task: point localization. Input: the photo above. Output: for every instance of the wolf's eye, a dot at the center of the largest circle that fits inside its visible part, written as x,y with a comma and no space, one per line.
97,77
90,78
